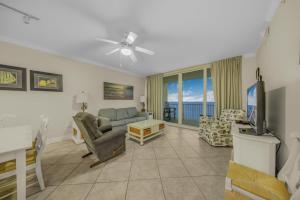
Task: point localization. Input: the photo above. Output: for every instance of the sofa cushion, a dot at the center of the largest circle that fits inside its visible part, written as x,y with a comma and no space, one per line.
130,120
137,119
122,113
118,123
108,113
132,112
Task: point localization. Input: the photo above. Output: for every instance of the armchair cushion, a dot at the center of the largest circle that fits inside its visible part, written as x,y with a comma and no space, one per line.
91,124
110,135
230,115
105,128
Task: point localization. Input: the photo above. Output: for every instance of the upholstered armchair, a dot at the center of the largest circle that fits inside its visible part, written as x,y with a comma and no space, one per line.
215,131
102,140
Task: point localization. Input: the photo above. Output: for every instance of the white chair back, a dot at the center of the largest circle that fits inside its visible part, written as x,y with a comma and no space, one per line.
290,172
41,137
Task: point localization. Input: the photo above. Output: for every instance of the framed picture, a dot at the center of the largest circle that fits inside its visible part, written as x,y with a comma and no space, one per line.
12,78
43,81
113,91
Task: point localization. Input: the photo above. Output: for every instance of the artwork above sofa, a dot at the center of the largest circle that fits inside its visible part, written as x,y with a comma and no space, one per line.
121,116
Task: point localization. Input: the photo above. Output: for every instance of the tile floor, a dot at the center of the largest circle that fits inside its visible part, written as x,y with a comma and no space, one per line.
175,166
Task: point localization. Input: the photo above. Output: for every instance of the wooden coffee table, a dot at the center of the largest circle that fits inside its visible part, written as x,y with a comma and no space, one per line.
145,130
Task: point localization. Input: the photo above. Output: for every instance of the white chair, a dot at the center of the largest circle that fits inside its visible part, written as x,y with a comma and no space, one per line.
33,158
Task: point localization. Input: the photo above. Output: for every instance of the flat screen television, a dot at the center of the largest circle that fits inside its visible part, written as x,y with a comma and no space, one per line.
256,107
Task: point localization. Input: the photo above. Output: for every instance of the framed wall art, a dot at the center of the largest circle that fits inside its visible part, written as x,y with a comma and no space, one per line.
44,81
113,91
12,78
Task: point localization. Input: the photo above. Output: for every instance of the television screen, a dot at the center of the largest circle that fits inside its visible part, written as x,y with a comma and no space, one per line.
252,104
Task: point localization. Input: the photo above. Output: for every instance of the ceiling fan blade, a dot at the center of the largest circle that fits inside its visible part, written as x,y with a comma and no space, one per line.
113,51
133,57
131,37
146,51
106,40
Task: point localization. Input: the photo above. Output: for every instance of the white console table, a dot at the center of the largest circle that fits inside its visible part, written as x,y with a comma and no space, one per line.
257,152
13,144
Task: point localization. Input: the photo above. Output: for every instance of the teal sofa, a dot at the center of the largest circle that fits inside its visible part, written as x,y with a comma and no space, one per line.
121,116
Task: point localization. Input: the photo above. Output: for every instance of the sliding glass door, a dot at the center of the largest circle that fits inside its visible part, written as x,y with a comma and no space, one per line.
170,98
187,96
192,97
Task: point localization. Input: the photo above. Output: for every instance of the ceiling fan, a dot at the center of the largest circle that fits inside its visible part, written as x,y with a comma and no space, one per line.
126,46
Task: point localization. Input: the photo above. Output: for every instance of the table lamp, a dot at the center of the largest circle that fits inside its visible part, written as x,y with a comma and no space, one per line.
82,98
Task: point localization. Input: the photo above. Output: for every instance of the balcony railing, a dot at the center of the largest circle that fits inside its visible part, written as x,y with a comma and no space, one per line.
191,111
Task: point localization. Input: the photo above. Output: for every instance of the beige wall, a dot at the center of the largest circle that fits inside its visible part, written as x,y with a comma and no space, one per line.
58,106
279,60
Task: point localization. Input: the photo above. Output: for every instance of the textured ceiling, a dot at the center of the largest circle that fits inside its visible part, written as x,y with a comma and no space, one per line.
181,32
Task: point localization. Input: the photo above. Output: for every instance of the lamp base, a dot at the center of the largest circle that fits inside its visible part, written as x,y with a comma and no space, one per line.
83,107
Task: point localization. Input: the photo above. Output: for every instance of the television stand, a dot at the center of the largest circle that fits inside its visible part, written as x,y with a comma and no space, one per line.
257,152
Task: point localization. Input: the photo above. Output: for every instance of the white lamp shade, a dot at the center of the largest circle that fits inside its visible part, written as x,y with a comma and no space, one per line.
81,97
142,99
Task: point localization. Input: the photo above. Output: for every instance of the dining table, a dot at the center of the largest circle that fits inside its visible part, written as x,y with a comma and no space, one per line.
13,144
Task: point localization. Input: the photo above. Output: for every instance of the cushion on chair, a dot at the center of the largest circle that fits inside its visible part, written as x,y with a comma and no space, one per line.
108,113
258,183
132,112
105,128
91,125
11,165
230,115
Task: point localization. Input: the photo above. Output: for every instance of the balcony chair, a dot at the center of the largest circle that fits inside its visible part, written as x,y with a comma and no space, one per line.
216,132
103,141
245,183
169,112
33,161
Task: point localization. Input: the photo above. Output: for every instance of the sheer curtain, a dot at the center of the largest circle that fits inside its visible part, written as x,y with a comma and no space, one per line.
227,84
155,95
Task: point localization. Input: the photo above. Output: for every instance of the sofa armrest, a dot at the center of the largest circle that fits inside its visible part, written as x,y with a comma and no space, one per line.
103,121
110,135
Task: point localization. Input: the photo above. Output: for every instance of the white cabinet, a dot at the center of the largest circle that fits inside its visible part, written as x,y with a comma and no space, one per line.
257,152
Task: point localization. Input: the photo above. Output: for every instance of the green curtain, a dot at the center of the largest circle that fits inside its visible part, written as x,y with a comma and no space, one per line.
227,84
155,95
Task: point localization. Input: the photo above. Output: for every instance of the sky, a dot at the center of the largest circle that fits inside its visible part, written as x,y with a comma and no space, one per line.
252,96
192,91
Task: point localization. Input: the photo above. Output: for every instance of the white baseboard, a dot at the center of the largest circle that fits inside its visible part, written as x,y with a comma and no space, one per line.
58,139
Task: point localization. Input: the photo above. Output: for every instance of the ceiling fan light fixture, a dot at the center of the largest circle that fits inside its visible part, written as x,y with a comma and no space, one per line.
126,51
131,37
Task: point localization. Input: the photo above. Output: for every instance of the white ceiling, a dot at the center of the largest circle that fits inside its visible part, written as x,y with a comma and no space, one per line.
181,32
